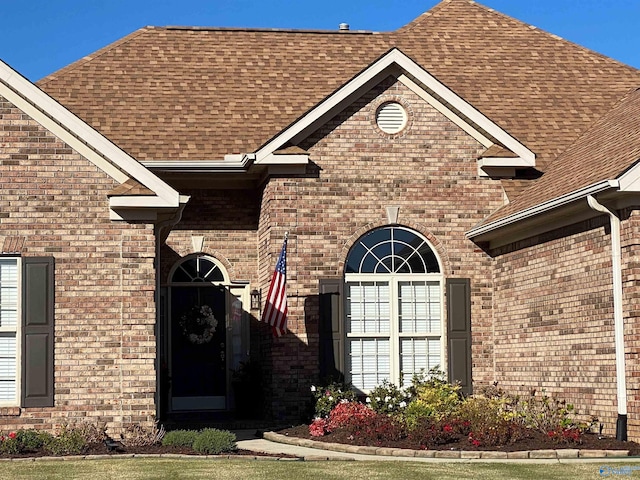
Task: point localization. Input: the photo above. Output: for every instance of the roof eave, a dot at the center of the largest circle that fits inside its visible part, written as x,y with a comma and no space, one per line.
487,231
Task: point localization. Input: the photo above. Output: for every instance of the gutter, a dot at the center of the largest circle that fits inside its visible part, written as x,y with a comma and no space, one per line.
618,319
230,164
543,207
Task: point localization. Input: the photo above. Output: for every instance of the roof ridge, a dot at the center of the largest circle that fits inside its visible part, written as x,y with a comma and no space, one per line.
94,55
429,13
542,31
264,30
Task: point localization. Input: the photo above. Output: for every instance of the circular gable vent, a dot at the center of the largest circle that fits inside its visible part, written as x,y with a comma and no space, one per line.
391,117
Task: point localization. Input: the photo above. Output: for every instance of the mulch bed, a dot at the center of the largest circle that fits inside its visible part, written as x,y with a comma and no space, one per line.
537,441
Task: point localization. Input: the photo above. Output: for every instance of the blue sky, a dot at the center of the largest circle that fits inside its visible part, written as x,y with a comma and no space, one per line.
40,36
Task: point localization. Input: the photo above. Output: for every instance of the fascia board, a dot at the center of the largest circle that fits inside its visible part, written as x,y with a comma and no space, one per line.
74,131
138,202
542,208
502,162
294,159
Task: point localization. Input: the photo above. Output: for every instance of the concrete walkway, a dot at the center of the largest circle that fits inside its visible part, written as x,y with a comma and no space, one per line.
247,440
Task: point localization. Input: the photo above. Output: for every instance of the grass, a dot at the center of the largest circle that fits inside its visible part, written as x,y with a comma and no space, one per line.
160,468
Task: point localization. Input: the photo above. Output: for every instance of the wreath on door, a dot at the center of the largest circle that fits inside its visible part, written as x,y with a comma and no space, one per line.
198,324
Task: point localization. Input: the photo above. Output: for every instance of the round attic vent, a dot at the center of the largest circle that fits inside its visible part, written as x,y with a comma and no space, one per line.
391,117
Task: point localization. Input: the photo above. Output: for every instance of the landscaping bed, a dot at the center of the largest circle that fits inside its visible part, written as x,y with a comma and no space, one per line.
432,414
536,441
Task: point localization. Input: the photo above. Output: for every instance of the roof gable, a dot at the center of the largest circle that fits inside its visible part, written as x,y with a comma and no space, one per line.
87,141
421,82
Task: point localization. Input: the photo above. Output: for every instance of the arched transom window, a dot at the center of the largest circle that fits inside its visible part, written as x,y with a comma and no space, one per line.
197,269
393,289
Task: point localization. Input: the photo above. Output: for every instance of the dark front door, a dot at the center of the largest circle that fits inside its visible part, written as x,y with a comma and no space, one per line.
198,346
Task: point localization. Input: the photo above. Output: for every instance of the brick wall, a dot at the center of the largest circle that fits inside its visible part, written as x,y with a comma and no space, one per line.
55,201
429,171
554,327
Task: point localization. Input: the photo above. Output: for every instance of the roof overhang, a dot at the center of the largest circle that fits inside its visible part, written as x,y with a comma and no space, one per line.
556,213
93,146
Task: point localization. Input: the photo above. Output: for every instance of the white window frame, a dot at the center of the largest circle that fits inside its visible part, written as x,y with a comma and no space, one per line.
395,335
393,279
17,330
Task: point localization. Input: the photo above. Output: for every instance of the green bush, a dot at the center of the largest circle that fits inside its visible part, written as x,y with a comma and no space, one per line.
388,399
9,444
326,398
31,440
433,397
68,442
212,441
180,438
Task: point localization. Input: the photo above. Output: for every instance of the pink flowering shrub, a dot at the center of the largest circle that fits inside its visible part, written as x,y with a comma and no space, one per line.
318,427
349,414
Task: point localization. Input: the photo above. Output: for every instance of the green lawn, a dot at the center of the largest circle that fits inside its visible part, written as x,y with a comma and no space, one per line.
161,468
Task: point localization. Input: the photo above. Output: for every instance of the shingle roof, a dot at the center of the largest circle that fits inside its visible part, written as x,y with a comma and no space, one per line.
604,152
199,93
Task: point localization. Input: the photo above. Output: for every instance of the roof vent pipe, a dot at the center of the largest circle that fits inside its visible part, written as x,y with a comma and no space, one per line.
343,27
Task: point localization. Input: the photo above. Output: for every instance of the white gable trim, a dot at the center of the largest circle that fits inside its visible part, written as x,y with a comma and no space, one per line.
80,136
443,109
372,75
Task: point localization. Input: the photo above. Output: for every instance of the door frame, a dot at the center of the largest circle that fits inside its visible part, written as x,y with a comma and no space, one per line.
234,339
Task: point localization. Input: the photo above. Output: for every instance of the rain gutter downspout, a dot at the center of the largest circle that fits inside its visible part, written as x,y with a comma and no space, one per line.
616,267
160,229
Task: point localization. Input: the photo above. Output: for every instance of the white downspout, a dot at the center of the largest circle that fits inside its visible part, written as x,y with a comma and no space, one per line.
618,320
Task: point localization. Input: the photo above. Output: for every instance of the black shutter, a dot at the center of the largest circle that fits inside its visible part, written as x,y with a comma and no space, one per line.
459,332
330,329
37,331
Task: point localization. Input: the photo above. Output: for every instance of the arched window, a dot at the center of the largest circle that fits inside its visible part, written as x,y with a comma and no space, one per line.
197,269
393,318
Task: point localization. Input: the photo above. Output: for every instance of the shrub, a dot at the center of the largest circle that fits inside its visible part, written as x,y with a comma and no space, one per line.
326,398
31,440
428,432
180,438
388,399
69,441
318,427
138,436
547,414
212,441
348,415
381,428
432,397
485,422
10,443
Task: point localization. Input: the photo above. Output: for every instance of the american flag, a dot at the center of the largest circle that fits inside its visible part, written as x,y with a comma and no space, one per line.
275,310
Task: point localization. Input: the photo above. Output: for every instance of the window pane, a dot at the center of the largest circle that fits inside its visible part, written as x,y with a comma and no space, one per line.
419,307
368,307
7,367
369,362
417,355
8,292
